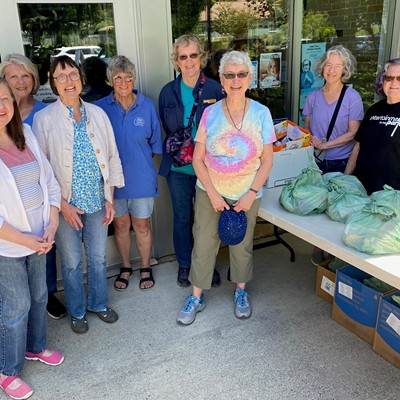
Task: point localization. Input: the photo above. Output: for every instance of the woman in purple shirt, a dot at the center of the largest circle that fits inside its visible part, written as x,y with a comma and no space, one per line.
336,66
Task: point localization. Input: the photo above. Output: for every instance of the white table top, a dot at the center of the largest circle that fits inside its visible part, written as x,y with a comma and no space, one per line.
326,234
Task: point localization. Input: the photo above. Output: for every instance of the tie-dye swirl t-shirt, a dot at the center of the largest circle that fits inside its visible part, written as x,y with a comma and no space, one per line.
233,158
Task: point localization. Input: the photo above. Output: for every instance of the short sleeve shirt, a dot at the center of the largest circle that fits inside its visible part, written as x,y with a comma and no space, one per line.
320,113
232,157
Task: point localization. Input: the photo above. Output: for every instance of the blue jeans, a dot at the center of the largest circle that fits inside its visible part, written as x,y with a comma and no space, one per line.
182,190
69,246
23,319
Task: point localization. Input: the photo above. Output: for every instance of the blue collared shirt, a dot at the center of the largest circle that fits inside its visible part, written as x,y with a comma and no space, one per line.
138,136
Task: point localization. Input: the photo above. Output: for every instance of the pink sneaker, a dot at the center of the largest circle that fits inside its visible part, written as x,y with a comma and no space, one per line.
21,392
55,359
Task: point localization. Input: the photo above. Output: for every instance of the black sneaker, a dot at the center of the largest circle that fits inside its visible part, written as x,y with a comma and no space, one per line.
54,307
183,277
216,279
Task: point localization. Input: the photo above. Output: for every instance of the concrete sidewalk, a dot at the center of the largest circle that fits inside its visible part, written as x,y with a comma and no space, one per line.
289,349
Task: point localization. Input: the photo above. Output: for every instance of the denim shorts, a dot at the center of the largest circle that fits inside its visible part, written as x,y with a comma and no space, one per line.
138,208
333,165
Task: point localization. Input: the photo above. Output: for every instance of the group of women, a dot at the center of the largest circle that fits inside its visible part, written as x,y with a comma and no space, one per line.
85,166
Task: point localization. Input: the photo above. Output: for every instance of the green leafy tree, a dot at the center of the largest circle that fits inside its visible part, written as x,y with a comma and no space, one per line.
316,26
234,22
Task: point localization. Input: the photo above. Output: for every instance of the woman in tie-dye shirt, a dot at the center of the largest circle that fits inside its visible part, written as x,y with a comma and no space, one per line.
232,160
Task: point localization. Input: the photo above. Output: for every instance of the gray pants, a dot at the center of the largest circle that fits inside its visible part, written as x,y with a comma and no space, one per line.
207,242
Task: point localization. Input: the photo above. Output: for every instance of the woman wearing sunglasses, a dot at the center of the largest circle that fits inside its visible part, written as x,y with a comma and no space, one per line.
375,157
232,159
176,103
79,142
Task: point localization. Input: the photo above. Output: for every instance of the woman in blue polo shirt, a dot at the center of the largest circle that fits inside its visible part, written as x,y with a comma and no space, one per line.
138,136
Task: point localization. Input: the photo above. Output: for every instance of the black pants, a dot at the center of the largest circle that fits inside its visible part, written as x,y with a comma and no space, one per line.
333,165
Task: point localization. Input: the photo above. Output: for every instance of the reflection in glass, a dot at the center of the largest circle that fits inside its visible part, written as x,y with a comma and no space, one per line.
79,31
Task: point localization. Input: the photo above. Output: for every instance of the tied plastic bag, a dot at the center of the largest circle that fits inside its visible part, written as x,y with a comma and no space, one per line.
337,181
374,230
306,194
388,197
342,205
180,146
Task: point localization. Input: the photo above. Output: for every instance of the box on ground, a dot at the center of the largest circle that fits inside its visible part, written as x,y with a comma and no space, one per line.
355,305
387,334
288,165
325,283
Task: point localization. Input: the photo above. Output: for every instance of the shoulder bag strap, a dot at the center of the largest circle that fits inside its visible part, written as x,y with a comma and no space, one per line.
196,99
335,113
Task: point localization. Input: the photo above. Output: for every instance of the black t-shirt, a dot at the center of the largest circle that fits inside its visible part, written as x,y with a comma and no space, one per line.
378,161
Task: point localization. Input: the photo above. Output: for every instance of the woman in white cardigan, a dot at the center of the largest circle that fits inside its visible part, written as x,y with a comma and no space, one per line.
29,206
78,140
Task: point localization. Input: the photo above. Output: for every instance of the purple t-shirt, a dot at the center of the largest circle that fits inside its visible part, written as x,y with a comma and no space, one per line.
320,113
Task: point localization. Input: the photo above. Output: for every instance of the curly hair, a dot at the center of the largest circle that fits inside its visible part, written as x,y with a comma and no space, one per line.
380,77
184,41
349,61
236,58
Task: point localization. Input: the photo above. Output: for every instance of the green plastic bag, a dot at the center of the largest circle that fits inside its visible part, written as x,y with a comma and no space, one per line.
336,181
342,204
306,194
374,230
387,197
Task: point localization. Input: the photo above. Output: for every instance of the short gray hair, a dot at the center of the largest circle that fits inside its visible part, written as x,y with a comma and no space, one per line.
349,61
19,59
120,64
236,58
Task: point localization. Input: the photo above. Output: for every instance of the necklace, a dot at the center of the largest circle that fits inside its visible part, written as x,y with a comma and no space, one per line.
238,128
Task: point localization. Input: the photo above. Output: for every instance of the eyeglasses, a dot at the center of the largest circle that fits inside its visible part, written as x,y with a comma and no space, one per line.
193,56
63,78
240,75
126,79
335,67
389,78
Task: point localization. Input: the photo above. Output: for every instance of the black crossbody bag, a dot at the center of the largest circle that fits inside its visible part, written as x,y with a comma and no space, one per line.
320,154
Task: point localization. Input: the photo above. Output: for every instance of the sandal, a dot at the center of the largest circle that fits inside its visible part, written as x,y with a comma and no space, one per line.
123,280
148,279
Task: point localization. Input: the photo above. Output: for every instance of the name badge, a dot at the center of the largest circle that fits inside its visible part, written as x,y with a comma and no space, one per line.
209,101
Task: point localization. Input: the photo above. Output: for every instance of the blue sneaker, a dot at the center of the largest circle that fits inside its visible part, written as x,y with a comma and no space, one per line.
242,304
193,305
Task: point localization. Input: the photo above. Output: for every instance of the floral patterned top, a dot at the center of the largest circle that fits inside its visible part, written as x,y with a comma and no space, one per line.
87,192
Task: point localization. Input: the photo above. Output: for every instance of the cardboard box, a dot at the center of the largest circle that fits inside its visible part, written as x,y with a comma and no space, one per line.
355,305
325,283
290,136
387,333
288,164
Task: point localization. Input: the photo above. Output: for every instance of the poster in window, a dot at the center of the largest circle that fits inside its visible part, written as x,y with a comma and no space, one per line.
309,79
270,70
253,83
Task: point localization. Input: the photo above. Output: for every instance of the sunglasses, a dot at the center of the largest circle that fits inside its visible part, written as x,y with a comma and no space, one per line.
240,75
389,78
193,56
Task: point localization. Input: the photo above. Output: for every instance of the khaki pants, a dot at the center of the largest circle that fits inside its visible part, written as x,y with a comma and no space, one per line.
207,242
